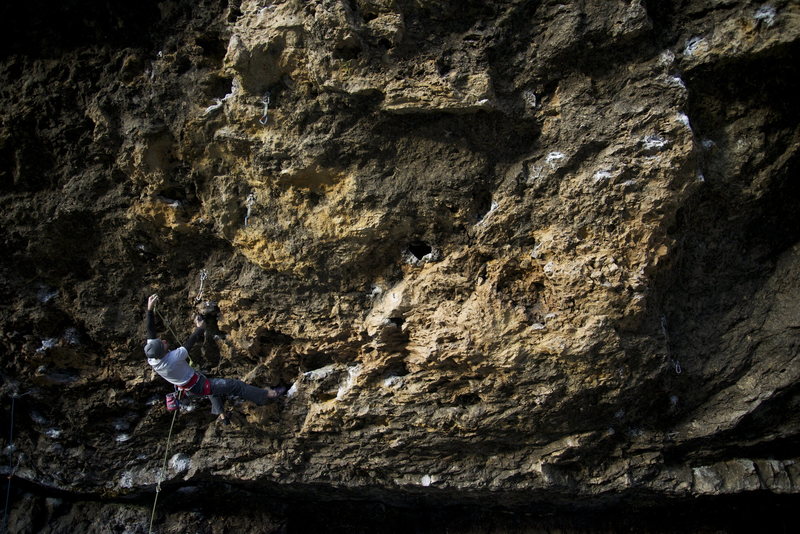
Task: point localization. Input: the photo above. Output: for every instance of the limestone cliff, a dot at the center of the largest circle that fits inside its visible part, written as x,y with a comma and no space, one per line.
517,253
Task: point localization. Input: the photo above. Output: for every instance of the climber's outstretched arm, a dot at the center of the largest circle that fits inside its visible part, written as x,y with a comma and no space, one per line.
197,334
151,320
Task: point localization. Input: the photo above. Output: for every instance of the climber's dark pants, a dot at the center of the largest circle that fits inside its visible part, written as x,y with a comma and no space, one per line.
227,387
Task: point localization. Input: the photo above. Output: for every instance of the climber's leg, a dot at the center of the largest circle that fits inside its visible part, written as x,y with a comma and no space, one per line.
203,388
229,387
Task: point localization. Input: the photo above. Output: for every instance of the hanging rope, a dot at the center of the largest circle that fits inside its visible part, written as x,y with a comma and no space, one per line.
163,466
8,496
11,475
14,398
167,324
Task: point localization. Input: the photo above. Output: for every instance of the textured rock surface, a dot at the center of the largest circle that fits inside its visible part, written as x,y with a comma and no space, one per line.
515,253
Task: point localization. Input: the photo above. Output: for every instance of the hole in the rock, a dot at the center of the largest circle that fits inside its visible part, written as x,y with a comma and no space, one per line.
234,13
443,66
314,360
468,399
182,64
482,200
347,53
419,249
212,46
217,86
396,369
273,337
397,321
173,193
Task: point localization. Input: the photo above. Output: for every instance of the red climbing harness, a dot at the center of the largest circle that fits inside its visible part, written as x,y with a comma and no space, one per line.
192,381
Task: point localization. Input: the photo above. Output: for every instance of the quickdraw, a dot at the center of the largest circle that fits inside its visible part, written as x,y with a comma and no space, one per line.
265,118
251,200
203,277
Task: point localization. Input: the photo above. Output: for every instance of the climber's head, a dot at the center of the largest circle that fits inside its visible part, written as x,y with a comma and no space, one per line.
155,348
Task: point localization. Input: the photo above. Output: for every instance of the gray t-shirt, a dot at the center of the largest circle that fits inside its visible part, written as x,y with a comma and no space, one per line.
173,367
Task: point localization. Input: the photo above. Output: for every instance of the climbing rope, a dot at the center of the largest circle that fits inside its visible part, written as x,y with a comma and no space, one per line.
163,467
10,475
167,324
171,331
8,497
14,398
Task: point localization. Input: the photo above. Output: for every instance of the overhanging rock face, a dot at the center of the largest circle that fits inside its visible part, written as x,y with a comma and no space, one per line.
509,252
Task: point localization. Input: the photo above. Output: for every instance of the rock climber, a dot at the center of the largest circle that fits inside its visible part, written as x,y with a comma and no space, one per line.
172,365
